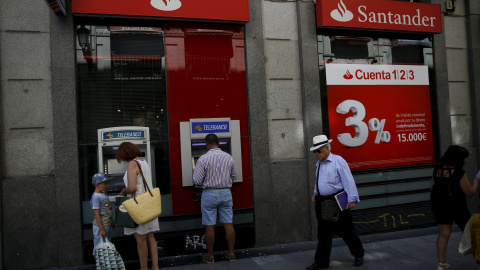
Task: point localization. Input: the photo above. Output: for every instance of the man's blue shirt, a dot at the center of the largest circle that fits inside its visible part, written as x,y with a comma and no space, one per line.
335,175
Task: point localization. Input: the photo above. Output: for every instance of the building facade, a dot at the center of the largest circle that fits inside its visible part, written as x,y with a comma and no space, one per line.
271,72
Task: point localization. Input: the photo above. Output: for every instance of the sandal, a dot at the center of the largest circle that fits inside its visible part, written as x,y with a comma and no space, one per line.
230,257
208,259
443,266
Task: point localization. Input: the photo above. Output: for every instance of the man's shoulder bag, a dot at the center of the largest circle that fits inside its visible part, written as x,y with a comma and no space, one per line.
330,210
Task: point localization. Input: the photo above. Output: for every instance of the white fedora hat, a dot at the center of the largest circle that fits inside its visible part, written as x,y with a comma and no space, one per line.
319,141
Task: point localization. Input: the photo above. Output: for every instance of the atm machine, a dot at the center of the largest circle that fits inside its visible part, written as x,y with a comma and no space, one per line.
192,143
109,139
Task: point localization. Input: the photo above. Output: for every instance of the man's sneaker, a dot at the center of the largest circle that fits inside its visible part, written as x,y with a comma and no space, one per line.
230,257
358,262
207,258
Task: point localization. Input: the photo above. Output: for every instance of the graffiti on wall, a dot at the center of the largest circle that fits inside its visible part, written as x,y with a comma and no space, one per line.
386,220
195,242
389,220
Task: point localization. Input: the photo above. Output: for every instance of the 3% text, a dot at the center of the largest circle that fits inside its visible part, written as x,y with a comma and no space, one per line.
361,128
377,125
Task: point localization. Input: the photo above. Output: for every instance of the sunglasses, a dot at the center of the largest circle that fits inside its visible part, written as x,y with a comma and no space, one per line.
317,151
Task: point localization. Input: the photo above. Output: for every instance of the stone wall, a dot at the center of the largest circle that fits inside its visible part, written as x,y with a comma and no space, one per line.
41,215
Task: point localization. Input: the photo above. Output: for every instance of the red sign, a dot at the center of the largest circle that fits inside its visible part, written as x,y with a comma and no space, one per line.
380,15
218,10
379,115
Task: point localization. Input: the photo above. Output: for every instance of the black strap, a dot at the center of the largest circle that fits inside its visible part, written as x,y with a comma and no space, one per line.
144,183
449,170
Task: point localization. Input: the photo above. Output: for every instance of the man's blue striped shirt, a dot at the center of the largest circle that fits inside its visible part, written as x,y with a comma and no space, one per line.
215,169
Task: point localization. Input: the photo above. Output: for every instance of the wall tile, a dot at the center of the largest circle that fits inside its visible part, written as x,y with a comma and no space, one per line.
30,152
462,130
282,59
286,139
280,20
284,99
27,104
455,32
25,56
459,98
457,60
30,15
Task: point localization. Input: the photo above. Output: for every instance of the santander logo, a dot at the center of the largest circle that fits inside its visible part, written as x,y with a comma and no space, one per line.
342,14
382,15
348,75
166,5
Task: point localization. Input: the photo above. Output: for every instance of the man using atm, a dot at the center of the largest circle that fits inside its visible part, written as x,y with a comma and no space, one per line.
214,172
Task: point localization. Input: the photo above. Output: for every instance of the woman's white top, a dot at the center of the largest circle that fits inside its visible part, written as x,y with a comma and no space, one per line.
153,225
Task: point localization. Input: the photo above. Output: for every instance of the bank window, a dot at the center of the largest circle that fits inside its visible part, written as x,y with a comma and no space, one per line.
121,82
391,181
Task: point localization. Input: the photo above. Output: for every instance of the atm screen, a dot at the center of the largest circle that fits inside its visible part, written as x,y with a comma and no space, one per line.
115,185
116,168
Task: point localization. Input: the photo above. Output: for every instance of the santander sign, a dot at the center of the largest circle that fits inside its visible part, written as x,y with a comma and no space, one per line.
379,15
166,5
195,10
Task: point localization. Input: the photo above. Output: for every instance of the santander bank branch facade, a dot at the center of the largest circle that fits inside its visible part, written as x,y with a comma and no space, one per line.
378,92
164,63
391,82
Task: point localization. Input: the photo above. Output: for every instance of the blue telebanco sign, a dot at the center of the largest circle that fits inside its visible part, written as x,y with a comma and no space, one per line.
210,127
123,134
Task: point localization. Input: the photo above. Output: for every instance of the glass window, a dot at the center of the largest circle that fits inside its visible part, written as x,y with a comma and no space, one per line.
385,186
121,82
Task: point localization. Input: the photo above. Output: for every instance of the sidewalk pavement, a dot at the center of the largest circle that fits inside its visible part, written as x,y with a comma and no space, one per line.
410,249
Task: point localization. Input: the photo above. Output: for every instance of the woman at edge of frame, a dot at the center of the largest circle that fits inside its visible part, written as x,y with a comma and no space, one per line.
449,188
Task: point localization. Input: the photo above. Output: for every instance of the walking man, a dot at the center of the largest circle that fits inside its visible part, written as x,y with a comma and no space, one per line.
214,172
333,176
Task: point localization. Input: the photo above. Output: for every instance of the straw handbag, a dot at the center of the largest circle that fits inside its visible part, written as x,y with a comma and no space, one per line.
146,207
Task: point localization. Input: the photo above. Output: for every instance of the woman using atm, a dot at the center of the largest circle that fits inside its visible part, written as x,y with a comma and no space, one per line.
130,153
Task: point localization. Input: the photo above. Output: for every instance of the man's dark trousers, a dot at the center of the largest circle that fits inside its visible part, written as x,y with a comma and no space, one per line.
344,228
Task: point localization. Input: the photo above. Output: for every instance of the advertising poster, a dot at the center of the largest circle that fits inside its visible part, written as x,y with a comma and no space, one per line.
379,115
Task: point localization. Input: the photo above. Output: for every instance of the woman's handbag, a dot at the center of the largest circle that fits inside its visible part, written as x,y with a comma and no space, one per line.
146,207
122,218
197,194
330,210
475,230
107,257
465,246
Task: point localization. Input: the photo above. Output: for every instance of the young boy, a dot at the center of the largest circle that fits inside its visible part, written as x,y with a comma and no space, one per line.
103,223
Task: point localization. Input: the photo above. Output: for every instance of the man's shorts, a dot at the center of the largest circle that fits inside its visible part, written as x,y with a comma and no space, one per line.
217,201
